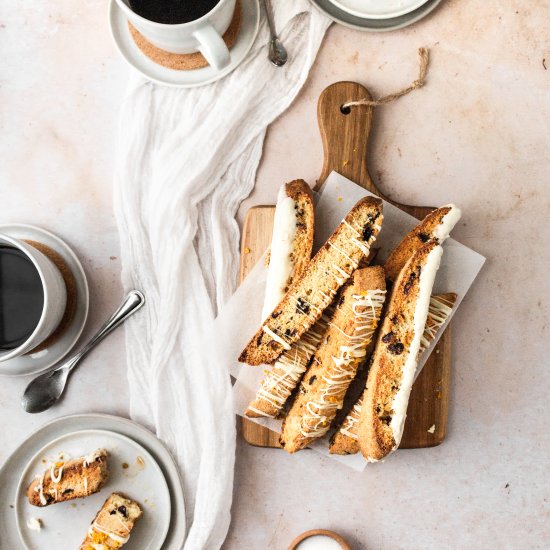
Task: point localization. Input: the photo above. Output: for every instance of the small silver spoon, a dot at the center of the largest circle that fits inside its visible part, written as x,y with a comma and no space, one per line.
47,388
277,52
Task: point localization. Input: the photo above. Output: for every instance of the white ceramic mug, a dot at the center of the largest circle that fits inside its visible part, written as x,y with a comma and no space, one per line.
203,35
55,297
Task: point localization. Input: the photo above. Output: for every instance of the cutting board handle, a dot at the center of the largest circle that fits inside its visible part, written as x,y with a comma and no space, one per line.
345,133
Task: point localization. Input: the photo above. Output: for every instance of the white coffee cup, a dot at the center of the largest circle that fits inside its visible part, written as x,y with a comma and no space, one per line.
55,297
201,35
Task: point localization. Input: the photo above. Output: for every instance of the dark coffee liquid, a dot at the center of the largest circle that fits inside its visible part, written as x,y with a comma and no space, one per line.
172,12
21,297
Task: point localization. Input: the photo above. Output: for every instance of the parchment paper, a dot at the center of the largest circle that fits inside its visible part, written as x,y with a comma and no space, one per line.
241,317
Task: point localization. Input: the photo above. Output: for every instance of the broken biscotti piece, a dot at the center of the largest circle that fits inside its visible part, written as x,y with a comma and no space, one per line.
113,524
76,478
394,360
310,295
345,441
335,363
291,243
286,373
436,225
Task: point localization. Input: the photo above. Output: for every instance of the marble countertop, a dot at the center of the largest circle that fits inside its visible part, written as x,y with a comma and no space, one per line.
477,135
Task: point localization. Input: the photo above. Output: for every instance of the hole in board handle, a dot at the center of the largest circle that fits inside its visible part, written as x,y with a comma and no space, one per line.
345,110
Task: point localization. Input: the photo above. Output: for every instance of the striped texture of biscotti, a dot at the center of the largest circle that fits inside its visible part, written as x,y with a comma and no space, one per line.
286,373
310,295
113,524
76,478
394,360
436,225
337,359
345,440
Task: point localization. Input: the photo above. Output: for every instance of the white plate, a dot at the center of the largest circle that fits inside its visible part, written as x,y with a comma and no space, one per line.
378,9
66,524
374,25
250,21
35,363
12,470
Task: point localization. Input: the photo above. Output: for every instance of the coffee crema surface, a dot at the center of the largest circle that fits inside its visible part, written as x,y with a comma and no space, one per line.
21,297
172,12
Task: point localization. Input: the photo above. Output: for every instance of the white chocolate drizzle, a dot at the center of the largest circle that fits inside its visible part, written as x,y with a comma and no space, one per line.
276,337
286,372
318,414
113,536
56,478
437,315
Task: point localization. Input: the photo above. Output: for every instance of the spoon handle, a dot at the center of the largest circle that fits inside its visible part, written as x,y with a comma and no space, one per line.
133,301
269,16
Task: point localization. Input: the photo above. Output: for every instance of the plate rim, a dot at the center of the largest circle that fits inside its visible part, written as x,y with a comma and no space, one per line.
341,17
178,531
398,13
32,459
82,286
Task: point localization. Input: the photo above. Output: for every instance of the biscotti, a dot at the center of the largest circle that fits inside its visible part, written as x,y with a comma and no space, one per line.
437,225
113,524
76,478
335,362
282,379
395,357
310,295
345,440
291,243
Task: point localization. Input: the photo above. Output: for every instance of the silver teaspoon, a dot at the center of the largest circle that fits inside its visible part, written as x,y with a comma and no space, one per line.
47,388
277,52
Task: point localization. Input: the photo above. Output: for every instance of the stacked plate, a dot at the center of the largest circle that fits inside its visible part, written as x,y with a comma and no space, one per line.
376,15
140,467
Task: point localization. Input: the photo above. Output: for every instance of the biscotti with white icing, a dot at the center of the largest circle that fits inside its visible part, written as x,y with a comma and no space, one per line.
345,440
335,363
76,478
310,295
282,379
437,225
113,524
291,242
394,360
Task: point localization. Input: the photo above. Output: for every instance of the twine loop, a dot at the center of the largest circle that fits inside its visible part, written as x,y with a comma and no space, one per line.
423,61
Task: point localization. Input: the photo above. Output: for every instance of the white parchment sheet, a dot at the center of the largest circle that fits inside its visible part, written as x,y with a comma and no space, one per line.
241,317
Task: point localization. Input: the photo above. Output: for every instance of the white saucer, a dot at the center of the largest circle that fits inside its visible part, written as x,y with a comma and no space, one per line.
35,363
374,25
65,524
378,9
48,436
250,21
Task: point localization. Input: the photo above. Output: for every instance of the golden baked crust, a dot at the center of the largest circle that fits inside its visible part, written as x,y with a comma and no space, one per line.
345,440
310,295
300,192
113,523
76,478
390,355
415,239
335,362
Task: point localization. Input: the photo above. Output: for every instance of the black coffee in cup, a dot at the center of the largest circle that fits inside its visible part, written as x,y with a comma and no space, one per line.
21,297
172,12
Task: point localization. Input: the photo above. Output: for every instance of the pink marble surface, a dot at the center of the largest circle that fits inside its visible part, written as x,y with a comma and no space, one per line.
477,134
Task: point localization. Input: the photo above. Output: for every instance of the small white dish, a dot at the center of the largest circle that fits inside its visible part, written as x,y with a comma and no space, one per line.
378,9
329,8
250,21
65,524
35,363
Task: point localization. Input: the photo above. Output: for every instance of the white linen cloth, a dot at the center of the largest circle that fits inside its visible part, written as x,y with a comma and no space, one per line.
186,160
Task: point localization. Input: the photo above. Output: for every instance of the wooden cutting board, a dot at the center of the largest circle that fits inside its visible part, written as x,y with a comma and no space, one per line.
345,134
